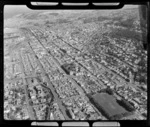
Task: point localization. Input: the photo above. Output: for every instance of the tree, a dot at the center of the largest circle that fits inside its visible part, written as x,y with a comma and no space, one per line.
126,33
109,91
116,117
68,113
100,108
126,105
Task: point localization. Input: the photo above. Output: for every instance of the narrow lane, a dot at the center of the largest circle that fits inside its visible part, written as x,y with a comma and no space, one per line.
59,66
129,84
48,80
74,82
30,109
57,62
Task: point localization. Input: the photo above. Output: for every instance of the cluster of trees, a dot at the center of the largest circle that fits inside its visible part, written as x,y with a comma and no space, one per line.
63,50
95,19
128,23
11,115
140,75
100,108
121,115
139,78
126,105
68,113
125,33
68,68
130,34
105,113
109,91
144,114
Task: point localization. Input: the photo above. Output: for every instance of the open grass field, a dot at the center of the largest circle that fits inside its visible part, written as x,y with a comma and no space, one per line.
109,104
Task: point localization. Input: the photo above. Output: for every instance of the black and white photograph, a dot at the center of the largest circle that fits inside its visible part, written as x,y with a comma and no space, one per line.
74,64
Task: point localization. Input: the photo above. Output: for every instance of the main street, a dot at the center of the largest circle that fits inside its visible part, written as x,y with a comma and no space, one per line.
48,80
30,109
69,77
28,33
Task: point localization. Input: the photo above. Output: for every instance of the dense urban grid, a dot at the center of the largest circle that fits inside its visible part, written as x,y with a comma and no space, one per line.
81,66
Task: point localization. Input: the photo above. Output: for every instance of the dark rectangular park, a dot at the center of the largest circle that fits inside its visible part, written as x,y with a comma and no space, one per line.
108,105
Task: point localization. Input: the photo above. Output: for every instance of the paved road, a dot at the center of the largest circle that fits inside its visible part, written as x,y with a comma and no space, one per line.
74,82
73,58
50,84
30,109
58,64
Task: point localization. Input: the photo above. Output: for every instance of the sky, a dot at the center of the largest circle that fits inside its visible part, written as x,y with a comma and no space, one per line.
12,10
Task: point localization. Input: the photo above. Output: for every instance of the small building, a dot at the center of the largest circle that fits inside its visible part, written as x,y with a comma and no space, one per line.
51,116
137,100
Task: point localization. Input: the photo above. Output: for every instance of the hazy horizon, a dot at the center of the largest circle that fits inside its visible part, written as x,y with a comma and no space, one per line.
12,10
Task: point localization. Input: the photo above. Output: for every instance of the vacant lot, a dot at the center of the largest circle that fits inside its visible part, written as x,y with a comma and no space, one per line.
109,104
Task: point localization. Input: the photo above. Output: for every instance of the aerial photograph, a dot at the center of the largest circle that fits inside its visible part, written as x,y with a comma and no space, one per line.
74,64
